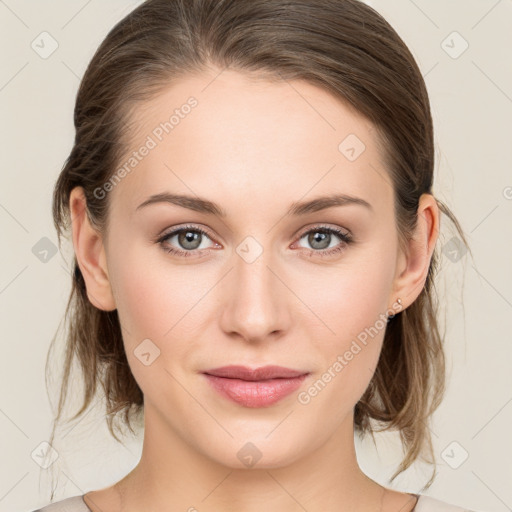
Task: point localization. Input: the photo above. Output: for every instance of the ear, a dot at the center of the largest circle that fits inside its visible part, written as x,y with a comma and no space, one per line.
90,253
413,267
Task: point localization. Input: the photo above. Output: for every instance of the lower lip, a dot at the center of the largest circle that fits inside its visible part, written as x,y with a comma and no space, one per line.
262,393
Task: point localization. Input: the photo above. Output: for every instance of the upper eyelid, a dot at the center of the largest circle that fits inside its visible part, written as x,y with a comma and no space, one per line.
175,231
320,227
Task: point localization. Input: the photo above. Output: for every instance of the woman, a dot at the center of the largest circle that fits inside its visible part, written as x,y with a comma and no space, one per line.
250,197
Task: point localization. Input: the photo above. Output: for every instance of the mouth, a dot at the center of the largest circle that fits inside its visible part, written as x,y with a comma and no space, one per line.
259,387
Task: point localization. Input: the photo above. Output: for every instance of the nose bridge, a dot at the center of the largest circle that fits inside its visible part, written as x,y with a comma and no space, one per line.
255,305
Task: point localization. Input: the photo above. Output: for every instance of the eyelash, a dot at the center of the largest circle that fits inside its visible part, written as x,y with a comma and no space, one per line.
346,239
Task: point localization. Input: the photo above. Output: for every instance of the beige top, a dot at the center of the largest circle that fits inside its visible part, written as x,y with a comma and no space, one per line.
424,504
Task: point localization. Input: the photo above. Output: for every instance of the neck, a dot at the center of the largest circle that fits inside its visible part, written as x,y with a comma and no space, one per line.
173,475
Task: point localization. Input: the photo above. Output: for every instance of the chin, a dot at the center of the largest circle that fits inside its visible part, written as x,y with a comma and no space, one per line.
257,451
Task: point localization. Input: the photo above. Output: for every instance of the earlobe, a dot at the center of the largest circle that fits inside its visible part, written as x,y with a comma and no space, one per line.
90,253
411,281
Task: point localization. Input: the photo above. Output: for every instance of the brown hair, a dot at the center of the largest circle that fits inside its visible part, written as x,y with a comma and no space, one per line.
342,46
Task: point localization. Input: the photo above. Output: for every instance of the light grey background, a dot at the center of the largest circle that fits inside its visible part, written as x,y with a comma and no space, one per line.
471,98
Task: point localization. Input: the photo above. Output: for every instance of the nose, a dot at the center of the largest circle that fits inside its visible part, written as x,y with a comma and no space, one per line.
255,299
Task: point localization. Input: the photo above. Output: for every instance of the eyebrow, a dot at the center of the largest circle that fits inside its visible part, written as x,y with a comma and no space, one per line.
297,208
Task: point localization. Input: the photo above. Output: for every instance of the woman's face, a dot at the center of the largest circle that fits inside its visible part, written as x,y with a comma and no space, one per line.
263,286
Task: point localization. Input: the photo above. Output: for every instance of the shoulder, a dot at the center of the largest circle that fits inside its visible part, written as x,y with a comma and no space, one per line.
429,504
73,504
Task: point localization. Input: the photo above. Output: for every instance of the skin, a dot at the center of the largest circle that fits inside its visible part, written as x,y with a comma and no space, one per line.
254,147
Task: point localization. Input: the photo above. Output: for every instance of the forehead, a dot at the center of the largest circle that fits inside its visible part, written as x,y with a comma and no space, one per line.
229,136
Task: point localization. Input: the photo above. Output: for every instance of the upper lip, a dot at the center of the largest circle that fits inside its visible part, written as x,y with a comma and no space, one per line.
252,374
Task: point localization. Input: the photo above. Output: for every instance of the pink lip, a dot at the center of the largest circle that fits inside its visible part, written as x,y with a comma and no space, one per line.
260,387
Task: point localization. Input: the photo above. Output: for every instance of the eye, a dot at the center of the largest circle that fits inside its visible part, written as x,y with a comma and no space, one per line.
189,238
320,238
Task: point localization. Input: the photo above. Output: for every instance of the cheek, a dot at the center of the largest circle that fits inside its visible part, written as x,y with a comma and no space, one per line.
152,293
349,298
162,302
139,298
352,304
